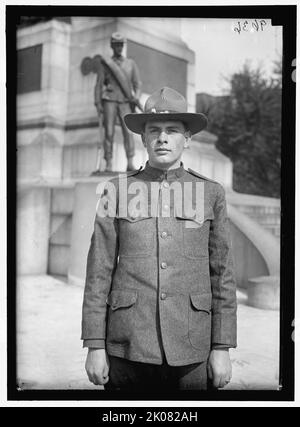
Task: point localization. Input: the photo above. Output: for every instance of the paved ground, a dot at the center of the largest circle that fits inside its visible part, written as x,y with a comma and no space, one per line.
50,353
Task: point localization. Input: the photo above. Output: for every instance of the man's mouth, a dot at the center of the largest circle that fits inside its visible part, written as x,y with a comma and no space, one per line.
162,150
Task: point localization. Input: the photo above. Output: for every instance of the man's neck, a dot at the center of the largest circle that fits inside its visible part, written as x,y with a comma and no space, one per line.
175,165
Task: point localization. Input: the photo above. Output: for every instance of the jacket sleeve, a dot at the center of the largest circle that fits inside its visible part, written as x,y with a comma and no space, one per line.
223,285
101,264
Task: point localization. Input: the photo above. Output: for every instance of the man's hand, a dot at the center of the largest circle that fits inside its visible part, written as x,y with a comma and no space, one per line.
97,366
219,368
135,102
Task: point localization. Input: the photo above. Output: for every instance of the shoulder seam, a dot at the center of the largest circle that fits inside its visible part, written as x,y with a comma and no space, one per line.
191,171
132,173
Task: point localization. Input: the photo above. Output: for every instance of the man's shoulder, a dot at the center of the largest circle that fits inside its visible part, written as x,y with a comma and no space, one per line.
121,176
202,177
135,172
212,187
109,190
129,174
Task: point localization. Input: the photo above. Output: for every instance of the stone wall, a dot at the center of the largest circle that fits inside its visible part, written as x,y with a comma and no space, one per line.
266,211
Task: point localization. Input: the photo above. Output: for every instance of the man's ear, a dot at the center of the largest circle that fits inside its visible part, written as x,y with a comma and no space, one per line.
187,137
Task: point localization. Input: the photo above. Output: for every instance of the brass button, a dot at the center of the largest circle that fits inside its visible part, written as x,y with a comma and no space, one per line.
164,234
165,184
163,265
163,296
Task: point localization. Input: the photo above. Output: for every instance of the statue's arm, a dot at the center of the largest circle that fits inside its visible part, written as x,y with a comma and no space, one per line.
98,90
136,80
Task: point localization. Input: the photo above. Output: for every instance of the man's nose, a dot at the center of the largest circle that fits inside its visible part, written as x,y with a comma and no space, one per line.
163,137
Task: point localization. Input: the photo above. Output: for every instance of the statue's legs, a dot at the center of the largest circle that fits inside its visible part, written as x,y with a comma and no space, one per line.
124,109
110,109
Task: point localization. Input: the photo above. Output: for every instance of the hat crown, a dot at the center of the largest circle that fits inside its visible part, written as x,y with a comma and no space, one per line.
117,38
166,100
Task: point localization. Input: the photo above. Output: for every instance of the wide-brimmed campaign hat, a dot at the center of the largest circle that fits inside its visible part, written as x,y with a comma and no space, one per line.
166,104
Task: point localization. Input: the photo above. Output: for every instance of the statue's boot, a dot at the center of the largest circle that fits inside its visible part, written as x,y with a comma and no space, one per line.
97,172
130,165
108,166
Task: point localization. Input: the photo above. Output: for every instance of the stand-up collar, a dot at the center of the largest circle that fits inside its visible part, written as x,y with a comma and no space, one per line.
159,174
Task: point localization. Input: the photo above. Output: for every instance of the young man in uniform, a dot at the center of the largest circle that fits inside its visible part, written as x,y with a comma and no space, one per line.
159,307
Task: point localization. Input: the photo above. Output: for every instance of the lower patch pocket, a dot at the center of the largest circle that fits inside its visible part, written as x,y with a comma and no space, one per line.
121,315
200,320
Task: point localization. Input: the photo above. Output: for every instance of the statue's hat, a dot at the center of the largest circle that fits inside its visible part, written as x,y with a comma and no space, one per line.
117,38
166,104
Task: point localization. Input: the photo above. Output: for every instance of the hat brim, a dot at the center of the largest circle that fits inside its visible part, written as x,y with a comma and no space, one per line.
195,122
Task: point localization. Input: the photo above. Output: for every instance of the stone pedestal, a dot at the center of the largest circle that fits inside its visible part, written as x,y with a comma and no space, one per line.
85,203
41,114
33,222
263,292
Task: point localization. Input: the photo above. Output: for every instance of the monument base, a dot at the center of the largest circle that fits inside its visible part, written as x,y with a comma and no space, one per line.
84,212
263,292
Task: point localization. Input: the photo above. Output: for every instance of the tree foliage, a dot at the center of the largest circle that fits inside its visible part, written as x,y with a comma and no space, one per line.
248,125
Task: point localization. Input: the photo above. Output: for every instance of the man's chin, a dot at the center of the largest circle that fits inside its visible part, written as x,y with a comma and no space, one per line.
163,162
163,158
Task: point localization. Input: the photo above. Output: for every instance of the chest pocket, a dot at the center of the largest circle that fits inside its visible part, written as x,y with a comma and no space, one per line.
195,235
136,236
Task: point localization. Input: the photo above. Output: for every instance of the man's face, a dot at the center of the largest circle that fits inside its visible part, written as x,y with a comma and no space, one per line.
117,48
165,142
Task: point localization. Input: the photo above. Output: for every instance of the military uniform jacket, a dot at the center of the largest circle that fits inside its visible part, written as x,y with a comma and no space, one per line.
160,284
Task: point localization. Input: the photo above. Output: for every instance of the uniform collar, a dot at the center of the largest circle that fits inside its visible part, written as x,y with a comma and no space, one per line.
159,174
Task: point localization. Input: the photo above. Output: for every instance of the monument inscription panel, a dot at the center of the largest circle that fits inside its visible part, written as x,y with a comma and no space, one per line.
29,63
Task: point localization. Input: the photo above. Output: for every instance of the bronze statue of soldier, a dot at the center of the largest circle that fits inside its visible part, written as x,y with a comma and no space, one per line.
117,92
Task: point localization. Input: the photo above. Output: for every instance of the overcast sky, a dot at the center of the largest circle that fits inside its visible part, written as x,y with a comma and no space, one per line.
222,51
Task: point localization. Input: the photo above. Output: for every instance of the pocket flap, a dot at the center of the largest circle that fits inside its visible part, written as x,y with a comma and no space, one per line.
118,299
133,218
195,218
201,301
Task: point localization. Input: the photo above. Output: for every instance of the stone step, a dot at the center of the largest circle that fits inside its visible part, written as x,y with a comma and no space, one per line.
267,216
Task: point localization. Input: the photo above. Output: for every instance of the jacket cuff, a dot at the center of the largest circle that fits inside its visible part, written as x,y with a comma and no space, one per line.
220,347
100,343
